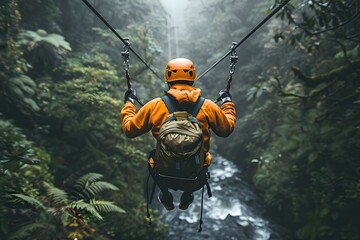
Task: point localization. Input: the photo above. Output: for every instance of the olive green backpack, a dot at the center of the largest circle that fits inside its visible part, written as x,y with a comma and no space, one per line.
180,145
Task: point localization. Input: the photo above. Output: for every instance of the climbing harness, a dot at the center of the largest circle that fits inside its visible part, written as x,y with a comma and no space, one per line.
118,35
277,9
149,198
202,198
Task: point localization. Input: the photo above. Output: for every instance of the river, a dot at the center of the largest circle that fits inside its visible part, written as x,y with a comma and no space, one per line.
233,212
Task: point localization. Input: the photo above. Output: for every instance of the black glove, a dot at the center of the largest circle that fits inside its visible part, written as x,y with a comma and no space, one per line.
130,95
225,96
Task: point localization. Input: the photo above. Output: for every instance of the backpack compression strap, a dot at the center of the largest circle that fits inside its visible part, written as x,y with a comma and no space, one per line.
172,106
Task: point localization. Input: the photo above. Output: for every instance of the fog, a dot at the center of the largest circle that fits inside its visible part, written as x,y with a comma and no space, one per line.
175,25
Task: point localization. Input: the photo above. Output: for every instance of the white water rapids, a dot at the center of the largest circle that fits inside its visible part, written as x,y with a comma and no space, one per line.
231,213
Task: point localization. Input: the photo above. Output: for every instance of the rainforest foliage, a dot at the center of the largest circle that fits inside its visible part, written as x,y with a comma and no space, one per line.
68,172
297,92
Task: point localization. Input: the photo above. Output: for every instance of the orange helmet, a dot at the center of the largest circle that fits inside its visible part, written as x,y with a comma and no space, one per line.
180,69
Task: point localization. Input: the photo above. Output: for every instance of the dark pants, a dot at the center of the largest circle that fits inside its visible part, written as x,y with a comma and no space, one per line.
188,186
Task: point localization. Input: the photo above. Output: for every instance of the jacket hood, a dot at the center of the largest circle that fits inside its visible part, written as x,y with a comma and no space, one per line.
184,94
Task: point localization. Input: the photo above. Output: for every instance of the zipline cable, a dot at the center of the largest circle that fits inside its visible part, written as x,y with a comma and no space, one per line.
118,35
277,9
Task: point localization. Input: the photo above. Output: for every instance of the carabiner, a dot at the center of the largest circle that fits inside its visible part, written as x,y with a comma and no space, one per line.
125,55
233,58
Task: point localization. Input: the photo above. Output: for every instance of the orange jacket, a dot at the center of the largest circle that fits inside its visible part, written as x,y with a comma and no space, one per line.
150,117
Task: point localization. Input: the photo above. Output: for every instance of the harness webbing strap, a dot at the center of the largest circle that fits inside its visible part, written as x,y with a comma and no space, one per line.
196,108
201,210
172,107
169,104
147,199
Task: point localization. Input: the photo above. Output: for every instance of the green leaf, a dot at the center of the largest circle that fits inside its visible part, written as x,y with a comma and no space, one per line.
106,206
32,104
312,157
82,205
29,200
89,177
58,195
25,231
97,187
56,40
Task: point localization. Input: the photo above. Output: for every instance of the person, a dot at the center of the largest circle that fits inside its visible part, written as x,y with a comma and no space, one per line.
180,75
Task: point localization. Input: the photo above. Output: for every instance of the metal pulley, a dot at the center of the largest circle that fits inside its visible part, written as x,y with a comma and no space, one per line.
233,58
125,54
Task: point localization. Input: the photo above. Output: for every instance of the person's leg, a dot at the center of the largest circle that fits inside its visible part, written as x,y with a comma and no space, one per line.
165,197
189,188
186,199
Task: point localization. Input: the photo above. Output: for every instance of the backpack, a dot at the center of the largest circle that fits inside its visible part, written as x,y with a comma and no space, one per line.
180,144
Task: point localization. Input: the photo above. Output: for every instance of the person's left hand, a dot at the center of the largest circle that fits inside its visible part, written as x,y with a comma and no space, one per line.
130,95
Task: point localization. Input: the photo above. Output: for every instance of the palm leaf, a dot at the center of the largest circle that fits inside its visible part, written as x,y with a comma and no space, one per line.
106,206
27,199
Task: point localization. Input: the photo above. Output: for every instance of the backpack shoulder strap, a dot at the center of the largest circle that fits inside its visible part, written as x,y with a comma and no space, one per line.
196,108
171,106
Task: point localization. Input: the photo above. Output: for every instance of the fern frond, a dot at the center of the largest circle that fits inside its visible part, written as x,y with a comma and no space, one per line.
25,36
84,180
56,40
58,195
105,206
27,199
25,231
97,187
82,205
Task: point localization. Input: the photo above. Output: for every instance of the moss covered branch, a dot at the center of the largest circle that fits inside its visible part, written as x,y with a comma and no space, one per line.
313,81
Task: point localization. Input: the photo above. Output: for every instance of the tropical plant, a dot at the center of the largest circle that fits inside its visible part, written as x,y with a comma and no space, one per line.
43,51
75,210
63,104
297,95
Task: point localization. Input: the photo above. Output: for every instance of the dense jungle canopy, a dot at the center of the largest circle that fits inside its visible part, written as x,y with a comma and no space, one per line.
67,170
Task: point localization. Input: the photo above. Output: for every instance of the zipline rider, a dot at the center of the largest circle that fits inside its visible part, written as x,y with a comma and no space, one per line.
180,75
